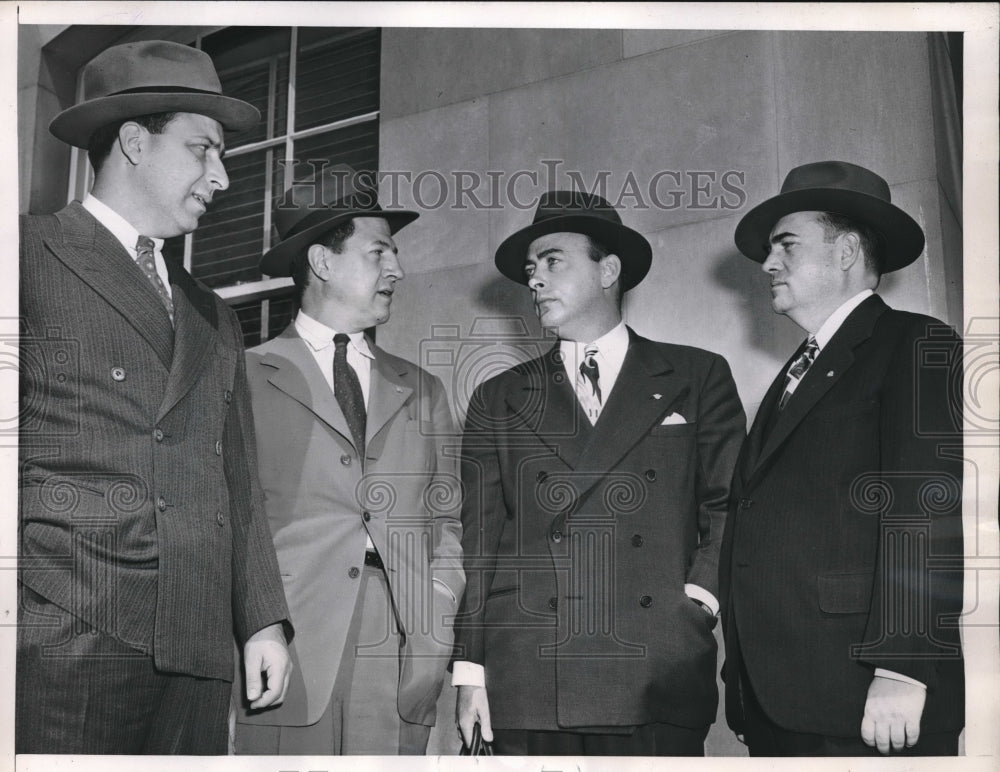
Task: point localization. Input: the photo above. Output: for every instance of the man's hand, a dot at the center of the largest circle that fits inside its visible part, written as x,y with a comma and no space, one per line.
472,706
267,652
892,714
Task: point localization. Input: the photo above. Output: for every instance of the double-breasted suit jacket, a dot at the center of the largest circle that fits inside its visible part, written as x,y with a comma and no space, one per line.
843,547
579,539
140,510
321,505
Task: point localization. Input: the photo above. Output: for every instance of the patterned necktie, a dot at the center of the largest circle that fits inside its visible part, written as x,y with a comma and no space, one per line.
798,369
347,390
144,250
588,385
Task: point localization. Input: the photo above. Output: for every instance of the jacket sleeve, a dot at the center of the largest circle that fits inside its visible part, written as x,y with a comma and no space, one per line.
721,430
444,495
917,494
258,597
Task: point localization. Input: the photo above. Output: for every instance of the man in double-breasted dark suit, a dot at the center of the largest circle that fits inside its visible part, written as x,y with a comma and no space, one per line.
596,479
143,547
841,569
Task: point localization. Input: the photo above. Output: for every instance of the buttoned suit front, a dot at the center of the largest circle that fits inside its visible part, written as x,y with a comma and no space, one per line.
843,546
140,510
579,539
322,504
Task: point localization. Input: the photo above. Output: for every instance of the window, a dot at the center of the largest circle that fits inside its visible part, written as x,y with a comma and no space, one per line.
318,93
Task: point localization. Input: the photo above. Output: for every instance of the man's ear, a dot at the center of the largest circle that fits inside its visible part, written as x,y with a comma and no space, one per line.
132,140
318,257
850,250
611,270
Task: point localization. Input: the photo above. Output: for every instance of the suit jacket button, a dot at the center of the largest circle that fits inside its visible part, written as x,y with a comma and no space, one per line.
354,572
220,519
228,396
651,474
553,603
118,373
345,460
158,434
218,447
557,536
645,601
746,503
637,541
161,504
366,516
541,476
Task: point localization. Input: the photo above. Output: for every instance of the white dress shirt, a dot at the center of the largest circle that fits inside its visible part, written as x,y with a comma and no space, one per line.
122,230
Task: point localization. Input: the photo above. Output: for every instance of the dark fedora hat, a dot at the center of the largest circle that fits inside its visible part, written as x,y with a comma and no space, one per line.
310,209
839,188
572,211
153,76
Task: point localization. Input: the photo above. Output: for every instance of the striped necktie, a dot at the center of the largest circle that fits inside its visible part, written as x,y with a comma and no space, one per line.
798,370
144,252
588,386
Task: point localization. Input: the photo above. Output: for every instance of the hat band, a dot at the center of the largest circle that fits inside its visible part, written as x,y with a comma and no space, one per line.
163,90
350,206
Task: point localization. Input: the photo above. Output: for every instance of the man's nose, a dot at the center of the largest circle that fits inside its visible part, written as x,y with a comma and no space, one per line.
217,176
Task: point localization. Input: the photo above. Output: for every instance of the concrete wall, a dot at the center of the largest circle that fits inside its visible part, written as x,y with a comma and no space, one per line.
641,102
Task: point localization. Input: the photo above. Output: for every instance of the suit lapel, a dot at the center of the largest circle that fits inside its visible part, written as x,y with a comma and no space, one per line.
833,361
389,390
646,390
98,258
196,333
293,371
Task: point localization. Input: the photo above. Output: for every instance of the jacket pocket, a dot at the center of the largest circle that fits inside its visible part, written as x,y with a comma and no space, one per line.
845,593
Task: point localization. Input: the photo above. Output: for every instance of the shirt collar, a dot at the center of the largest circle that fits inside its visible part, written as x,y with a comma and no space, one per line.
319,336
612,345
120,228
833,322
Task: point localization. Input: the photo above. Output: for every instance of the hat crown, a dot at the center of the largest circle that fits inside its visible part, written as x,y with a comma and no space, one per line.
837,175
333,189
149,65
559,203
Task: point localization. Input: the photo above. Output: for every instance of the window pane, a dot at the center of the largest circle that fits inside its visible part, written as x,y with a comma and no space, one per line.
253,66
281,312
338,76
230,238
355,145
249,315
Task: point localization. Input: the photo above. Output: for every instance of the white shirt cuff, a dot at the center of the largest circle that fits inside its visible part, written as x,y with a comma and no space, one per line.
468,674
700,593
898,677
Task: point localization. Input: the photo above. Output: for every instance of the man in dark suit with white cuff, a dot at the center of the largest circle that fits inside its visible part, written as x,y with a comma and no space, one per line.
143,546
596,483
841,569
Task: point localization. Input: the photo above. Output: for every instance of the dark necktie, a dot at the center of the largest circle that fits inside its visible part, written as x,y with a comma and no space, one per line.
347,389
144,250
588,387
798,369
590,371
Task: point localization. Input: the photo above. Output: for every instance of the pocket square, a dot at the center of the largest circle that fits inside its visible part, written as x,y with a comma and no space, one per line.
673,418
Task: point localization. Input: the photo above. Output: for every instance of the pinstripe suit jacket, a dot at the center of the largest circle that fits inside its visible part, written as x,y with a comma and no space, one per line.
140,509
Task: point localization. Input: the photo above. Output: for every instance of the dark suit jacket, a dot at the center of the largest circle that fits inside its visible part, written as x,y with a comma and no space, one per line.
578,540
140,509
321,505
843,545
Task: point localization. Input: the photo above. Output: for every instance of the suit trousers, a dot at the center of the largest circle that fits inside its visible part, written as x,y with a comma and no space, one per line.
646,740
362,717
82,691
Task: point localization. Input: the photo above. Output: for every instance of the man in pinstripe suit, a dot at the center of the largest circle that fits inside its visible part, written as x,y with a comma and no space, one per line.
143,545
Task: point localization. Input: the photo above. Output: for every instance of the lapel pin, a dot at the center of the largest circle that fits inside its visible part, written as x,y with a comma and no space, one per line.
829,373
657,396
400,391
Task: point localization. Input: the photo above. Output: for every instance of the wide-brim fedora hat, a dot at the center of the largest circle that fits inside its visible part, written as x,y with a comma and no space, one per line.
309,209
573,211
839,188
152,76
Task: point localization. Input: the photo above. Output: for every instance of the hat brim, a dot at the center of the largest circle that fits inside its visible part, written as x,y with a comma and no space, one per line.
630,246
76,124
903,237
278,260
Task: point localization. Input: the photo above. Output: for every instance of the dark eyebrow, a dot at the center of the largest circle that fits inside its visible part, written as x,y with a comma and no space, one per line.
782,236
215,143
